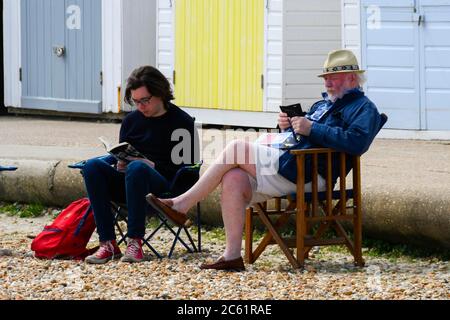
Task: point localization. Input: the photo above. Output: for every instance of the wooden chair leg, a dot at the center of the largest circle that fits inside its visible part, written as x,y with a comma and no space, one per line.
272,235
300,236
357,212
199,227
278,239
359,261
249,228
268,238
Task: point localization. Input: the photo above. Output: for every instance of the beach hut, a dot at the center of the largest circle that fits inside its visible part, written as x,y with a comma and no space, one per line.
74,55
231,62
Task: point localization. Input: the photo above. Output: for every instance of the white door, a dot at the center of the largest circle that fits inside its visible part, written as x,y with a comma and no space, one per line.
435,60
390,54
406,49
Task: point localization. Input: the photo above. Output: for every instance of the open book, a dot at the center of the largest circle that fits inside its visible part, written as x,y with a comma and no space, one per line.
123,151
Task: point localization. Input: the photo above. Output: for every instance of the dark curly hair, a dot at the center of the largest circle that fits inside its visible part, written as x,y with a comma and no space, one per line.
155,82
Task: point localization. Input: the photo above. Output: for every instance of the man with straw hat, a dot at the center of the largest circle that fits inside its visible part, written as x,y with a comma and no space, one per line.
345,119
249,173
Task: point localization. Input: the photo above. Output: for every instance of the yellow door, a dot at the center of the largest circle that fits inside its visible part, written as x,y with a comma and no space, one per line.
219,50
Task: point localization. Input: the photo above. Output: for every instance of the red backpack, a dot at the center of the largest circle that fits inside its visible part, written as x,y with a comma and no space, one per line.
68,235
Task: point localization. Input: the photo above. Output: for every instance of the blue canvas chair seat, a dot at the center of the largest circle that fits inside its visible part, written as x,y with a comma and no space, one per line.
315,212
185,178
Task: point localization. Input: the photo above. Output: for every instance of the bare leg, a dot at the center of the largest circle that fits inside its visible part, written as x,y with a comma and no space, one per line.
237,154
236,195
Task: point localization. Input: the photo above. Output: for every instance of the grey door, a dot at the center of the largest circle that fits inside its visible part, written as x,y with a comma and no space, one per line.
390,53
61,55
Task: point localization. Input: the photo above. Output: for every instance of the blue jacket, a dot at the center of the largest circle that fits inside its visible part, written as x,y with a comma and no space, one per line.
350,125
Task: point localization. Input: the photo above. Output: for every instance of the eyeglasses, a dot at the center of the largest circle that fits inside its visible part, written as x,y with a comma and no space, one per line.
144,101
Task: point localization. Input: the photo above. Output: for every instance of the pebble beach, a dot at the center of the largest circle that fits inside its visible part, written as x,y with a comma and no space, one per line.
328,275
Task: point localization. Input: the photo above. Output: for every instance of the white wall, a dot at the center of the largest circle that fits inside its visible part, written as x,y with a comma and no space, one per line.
273,93
12,52
111,53
351,26
165,29
312,29
138,38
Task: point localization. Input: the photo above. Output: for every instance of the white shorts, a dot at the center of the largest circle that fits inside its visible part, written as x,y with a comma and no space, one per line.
269,183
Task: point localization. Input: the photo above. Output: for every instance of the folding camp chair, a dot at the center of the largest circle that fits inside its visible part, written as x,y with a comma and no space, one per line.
185,178
316,212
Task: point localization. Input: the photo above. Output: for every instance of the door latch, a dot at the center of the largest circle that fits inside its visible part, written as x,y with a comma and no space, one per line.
60,51
418,18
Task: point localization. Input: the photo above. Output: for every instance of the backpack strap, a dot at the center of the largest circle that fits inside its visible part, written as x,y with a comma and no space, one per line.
83,221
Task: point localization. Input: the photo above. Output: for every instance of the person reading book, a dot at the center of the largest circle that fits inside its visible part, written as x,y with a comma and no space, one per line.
149,129
345,120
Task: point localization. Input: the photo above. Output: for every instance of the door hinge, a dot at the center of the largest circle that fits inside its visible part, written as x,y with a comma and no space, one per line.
174,77
262,82
20,74
101,78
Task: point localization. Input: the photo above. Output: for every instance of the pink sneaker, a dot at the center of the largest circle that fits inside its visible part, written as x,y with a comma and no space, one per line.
108,250
134,251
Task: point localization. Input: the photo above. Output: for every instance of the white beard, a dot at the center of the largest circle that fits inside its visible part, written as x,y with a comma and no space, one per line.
334,98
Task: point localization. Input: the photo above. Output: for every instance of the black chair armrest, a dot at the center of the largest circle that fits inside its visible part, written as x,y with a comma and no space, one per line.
185,178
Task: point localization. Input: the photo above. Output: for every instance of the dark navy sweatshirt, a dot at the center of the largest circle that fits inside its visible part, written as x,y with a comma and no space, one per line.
153,138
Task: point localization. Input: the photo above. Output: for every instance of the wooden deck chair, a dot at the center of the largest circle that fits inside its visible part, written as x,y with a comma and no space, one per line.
316,212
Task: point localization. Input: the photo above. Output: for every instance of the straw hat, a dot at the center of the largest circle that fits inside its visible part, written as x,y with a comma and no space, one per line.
341,61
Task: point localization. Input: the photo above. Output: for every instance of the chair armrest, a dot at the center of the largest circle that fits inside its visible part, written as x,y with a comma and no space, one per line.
185,178
80,165
8,168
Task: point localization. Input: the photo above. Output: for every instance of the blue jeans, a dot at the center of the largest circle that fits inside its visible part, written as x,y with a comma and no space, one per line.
105,184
